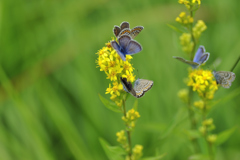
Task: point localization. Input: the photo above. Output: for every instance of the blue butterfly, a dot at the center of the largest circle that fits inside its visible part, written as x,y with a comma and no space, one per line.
199,58
126,46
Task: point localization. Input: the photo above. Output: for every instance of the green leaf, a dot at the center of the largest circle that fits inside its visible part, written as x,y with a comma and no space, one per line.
199,157
135,105
225,99
175,28
112,152
154,158
223,136
110,105
180,116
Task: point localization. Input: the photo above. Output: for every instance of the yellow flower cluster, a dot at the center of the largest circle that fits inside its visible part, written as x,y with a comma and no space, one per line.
207,125
184,19
137,152
110,62
199,104
131,115
212,138
186,42
183,95
199,28
207,122
121,138
203,82
187,3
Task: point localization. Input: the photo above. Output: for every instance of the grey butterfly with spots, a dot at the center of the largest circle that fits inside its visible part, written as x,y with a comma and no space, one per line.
224,78
141,86
124,29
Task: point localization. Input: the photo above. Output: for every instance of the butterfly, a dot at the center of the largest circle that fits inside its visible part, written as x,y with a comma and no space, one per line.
126,46
140,86
224,78
199,58
125,29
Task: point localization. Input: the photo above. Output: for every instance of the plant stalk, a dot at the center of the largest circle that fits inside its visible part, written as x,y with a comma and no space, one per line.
127,131
190,93
192,120
192,36
209,145
235,64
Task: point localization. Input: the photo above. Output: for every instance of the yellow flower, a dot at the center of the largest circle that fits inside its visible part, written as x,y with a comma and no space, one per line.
199,28
182,14
183,19
207,122
202,81
121,138
110,62
185,41
131,116
199,104
178,20
112,75
137,152
196,1
202,130
119,103
190,19
183,95
109,89
113,96
212,138
127,66
130,77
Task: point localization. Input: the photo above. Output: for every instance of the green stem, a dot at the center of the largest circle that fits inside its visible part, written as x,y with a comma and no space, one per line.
192,36
190,110
235,64
127,131
209,145
192,120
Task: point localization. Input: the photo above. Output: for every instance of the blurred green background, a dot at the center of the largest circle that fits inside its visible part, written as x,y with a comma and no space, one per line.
49,83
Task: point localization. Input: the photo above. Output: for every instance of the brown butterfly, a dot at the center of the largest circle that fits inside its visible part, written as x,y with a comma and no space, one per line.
140,86
125,29
224,78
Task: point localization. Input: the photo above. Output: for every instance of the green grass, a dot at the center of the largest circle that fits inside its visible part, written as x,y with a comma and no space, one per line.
49,83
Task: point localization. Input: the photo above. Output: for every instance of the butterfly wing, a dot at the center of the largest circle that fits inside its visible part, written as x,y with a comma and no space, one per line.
122,47
135,31
117,48
141,86
133,47
193,64
224,78
124,41
124,25
204,58
200,56
127,86
116,30
199,53
125,31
